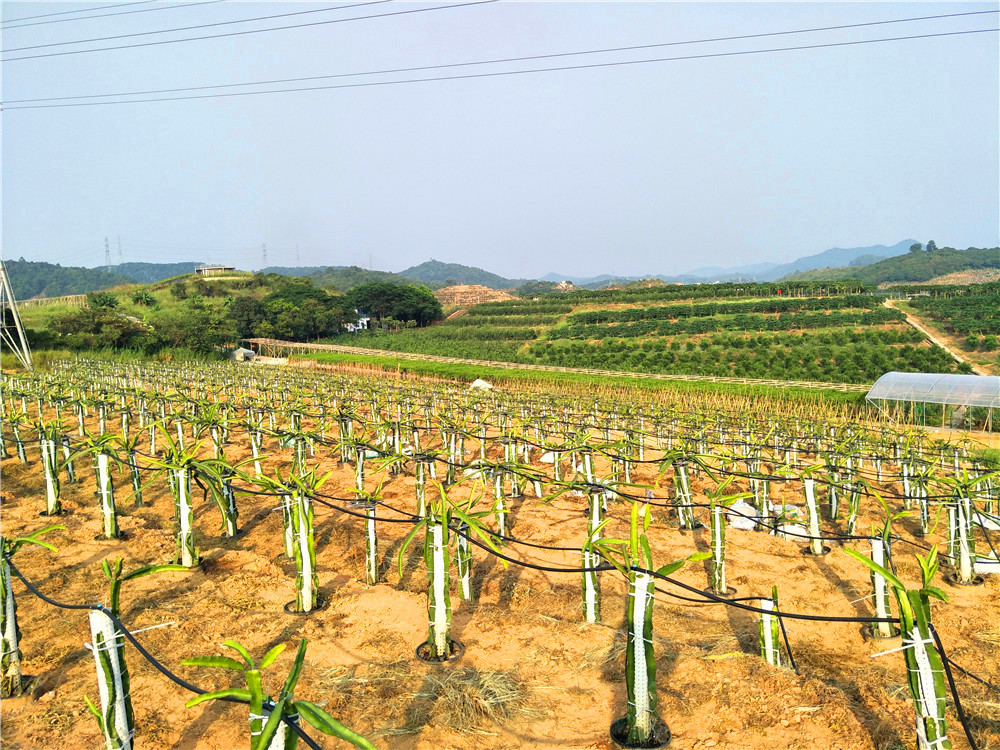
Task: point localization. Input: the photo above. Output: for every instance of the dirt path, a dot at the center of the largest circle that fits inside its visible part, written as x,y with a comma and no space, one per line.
936,339
277,348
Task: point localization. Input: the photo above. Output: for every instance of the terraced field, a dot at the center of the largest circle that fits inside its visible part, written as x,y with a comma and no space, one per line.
758,331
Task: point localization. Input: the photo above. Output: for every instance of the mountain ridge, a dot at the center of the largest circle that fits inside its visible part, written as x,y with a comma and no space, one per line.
763,271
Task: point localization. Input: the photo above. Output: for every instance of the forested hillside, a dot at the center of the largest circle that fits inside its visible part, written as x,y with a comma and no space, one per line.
35,279
448,274
147,273
915,266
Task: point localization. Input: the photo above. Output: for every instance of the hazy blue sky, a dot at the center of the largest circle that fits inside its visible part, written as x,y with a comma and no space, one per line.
655,168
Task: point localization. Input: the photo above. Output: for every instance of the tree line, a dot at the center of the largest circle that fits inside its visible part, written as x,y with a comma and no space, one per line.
202,316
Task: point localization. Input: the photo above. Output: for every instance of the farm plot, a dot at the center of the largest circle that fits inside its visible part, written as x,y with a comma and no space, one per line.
481,569
753,330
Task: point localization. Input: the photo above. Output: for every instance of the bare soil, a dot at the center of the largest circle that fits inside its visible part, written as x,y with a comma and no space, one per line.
523,631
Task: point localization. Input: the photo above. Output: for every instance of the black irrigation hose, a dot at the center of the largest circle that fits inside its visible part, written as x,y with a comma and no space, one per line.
532,566
320,499
601,487
148,656
714,598
788,646
967,673
954,690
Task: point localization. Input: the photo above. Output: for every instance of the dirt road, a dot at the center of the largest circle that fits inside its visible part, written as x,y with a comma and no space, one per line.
935,338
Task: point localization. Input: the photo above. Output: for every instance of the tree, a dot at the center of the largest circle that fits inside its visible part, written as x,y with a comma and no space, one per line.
97,300
142,297
400,301
916,247
178,290
931,246
246,313
201,328
99,328
299,311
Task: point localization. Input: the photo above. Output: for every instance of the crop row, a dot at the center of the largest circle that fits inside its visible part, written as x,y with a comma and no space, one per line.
674,312
741,322
821,363
968,314
524,320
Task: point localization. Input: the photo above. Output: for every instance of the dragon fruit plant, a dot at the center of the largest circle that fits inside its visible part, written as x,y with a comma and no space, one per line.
632,557
437,527
963,516
115,717
47,436
370,501
297,496
269,718
682,496
128,447
181,466
16,419
812,512
10,634
924,665
880,555
769,630
718,502
104,457
215,476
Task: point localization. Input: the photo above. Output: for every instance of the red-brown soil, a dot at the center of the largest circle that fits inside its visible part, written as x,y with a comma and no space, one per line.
714,689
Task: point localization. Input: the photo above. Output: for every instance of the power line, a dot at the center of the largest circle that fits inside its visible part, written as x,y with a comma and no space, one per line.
506,59
197,26
588,66
158,7
80,10
255,31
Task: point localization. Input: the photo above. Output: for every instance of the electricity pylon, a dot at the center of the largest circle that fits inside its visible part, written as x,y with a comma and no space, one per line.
10,322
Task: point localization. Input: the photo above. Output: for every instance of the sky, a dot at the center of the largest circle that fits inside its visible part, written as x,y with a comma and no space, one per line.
653,168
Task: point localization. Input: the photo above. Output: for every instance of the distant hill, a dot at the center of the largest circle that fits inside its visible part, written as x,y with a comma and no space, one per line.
753,269
36,279
344,279
298,270
434,271
341,278
839,256
147,273
912,267
836,256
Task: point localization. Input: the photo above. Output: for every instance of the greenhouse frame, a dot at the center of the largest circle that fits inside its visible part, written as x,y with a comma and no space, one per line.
938,399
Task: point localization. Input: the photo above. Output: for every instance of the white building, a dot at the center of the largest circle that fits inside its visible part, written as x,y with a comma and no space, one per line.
214,270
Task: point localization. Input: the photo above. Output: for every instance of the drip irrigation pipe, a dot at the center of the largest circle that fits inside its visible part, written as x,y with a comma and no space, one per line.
148,656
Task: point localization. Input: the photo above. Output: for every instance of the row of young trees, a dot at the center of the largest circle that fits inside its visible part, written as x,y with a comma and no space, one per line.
708,309
823,363
968,314
739,322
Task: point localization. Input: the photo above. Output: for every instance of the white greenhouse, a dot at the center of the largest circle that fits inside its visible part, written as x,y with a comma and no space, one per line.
940,399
